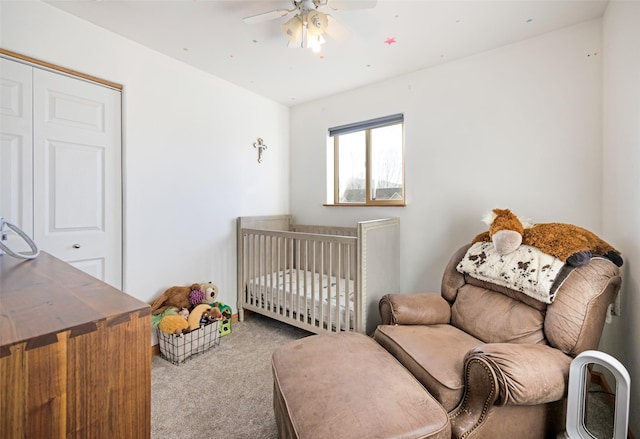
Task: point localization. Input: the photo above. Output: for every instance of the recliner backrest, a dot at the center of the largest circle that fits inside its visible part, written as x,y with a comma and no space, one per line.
572,323
576,318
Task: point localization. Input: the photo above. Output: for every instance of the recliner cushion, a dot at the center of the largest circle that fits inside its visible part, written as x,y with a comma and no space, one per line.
414,346
495,318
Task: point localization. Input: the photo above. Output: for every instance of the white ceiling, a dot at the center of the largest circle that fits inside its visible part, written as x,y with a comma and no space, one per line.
211,35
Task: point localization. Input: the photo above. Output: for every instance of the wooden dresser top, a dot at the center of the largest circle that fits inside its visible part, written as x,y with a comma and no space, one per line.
44,296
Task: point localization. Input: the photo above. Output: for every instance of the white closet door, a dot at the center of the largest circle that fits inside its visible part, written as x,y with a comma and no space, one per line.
16,194
77,173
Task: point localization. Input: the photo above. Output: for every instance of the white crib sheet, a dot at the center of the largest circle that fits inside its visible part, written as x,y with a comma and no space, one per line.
275,289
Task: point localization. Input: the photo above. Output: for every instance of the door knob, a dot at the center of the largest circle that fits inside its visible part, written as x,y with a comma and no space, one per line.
76,245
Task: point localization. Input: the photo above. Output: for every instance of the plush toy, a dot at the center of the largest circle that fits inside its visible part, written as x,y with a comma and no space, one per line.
211,315
225,310
156,319
196,297
216,313
184,312
177,297
210,291
571,244
201,314
173,324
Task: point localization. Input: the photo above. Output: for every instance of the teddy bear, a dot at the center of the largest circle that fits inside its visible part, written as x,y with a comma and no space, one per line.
210,296
571,244
210,291
178,297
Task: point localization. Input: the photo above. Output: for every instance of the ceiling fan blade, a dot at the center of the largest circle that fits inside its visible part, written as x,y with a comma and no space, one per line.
348,5
266,16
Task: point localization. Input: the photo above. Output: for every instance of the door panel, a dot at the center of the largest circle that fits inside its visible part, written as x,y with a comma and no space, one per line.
75,112
77,160
77,203
16,151
94,267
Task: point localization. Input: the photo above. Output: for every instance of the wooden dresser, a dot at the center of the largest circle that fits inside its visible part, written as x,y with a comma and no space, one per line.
75,356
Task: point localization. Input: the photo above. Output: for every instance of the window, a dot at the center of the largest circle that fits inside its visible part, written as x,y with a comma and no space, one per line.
368,162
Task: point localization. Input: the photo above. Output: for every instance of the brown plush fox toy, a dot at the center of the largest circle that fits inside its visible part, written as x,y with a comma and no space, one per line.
571,244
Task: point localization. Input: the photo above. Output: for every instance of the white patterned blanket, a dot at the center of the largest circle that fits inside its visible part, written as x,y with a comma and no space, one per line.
527,269
300,290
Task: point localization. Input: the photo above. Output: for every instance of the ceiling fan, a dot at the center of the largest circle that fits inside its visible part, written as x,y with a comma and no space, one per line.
308,24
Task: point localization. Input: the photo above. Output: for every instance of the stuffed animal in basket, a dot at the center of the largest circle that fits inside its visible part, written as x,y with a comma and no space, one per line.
173,324
203,314
211,315
571,244
157,318
217,311
210,291
178,297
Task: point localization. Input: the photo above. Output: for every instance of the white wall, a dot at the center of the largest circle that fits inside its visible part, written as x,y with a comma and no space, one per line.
189,165
518,127
621,182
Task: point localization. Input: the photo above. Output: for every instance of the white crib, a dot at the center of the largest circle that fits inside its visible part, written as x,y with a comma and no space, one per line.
319,278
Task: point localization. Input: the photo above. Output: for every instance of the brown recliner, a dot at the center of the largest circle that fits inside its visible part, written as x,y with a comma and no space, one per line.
497,360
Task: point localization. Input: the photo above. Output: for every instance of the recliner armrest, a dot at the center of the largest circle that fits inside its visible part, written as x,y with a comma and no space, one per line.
414,309
526,374
498,374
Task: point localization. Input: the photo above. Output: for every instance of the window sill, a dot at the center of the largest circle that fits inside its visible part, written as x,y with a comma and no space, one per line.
364,205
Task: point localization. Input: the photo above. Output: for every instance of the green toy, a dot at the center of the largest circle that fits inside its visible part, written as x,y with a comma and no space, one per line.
225,324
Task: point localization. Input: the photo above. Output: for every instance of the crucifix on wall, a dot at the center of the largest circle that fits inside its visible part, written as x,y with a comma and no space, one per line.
260,146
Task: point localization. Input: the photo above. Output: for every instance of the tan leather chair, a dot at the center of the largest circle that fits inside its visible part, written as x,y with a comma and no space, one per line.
497,360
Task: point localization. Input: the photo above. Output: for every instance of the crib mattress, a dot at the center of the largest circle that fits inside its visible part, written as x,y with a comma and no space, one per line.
305,293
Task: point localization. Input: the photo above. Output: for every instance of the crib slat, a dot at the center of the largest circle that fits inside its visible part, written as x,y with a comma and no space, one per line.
321,284
347,287
313,285
291,264
252,247
335,267
297,283
245,263
269,278
256,273
337,275
305,287
349,291
278,305
329,289
259,248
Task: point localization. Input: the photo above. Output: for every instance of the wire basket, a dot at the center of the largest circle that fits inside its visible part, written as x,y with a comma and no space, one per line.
177,348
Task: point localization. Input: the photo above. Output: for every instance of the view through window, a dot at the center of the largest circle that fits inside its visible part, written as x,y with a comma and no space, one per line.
369,162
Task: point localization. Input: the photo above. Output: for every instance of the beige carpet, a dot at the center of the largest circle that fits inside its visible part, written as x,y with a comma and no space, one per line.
227,391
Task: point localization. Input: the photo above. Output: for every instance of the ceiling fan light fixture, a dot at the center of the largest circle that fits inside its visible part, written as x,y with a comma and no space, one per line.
292,29
317,23
308,25
314,42
305,32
